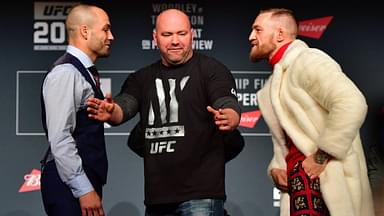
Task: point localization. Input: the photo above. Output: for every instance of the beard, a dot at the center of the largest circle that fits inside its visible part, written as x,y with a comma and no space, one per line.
255,57
104,52
258,53
262,50
103,55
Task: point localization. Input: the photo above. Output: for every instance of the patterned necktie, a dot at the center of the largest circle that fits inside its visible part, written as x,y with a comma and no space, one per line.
95,75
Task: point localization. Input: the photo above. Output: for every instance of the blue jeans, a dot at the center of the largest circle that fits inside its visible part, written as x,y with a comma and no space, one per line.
201,207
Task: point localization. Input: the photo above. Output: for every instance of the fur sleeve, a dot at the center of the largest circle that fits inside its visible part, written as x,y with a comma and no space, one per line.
346,107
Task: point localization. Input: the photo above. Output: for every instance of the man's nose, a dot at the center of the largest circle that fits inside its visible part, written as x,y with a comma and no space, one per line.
110,36
175,39
251,35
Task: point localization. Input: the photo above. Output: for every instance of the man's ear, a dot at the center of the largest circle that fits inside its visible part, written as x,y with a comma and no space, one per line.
154,37
84,31
280,35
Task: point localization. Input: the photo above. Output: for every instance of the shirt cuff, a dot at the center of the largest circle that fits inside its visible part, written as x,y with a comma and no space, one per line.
80,185
228,102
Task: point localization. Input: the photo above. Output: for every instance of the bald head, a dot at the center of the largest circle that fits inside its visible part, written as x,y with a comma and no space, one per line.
78,16
89,29
172,16
173,37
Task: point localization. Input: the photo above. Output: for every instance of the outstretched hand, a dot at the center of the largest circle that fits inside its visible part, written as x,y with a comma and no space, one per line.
226,119
101,109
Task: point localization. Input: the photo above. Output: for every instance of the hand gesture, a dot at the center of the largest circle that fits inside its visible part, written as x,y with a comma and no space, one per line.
226,119
101,109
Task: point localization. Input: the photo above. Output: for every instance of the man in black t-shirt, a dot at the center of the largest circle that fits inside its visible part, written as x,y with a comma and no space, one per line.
187,103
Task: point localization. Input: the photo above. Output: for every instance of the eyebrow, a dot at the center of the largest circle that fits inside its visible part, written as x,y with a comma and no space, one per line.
256,26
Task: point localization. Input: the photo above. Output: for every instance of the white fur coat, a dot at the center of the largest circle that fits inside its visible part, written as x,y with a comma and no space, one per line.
318,106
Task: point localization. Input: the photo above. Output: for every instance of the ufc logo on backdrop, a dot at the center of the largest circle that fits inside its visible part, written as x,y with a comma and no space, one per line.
49,25
167,115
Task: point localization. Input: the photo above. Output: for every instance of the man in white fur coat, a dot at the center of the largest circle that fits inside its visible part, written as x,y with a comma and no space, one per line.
314,112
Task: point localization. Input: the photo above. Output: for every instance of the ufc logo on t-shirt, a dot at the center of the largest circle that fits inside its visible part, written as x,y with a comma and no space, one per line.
165,131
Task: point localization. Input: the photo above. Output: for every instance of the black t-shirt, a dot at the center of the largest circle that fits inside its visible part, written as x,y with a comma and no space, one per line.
184,151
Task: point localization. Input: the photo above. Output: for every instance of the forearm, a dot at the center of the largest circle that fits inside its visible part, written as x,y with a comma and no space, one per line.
227,102
68,164
279,153
126,107
116,115
345,107
80,185
230,109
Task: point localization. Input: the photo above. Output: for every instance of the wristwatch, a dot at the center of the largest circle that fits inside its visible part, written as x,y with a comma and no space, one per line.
321,157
